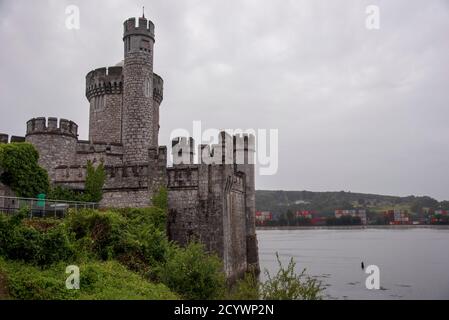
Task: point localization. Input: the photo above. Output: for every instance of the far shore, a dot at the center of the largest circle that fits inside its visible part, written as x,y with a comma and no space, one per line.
418,226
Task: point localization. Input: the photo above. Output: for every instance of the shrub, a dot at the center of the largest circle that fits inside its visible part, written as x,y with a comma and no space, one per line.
144,245
287,285
23,242
132,236
66,194
139,217
246,288
193,273
95,178
98,232
21,171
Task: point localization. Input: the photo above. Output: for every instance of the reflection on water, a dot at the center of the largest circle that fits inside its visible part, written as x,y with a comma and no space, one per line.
413,262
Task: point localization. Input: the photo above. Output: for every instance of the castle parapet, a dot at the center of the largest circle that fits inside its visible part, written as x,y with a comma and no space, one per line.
238,150
145,27
104,81
41,126
17,139
244,148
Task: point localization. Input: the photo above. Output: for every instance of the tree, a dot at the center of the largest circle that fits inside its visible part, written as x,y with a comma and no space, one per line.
21,171
95,179
423,202
160,199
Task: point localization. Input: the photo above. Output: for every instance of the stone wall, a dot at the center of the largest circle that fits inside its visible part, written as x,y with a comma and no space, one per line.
235,244
111,154
122,198
126,185
207,204
105,119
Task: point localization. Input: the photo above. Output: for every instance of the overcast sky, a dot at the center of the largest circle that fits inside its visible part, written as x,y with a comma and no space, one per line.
357,110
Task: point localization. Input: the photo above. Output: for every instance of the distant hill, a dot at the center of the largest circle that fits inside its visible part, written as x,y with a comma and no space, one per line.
325,203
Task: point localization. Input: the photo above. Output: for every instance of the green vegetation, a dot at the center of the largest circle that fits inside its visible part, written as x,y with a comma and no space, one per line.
95,178
286,284
193,274
122,254
66,194
99,280
21,171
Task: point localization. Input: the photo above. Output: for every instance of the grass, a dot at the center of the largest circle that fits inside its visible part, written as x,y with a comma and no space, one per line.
108,280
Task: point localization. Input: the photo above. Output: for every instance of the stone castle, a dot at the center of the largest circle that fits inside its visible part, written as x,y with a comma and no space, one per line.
211,200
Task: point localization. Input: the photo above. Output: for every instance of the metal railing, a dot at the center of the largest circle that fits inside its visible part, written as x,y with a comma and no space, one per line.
42,207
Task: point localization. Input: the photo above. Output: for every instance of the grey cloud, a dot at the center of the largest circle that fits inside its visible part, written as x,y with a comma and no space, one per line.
357,110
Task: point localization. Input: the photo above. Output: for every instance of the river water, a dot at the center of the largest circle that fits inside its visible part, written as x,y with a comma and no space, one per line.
413,262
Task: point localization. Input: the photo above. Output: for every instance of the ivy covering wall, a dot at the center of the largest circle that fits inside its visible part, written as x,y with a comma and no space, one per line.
21,171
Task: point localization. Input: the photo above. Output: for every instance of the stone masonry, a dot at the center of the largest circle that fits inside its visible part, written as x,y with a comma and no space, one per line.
211,200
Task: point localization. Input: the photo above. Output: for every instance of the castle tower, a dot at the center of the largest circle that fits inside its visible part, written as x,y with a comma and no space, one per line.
140,125
104,88
56,143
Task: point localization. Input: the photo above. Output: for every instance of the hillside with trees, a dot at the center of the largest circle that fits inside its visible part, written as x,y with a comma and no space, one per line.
325,203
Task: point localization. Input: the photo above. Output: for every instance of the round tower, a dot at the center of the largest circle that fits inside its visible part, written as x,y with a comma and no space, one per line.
55,143
104,90
140,121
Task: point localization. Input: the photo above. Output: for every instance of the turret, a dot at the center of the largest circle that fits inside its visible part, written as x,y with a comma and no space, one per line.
104,89
140,119
55,142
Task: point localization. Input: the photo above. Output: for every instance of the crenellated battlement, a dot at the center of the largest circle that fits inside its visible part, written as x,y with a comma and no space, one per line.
104,81
42,126
244,149
4,138
158,88
144,27
238,149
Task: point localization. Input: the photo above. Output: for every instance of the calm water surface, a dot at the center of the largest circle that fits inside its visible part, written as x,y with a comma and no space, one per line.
413,262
